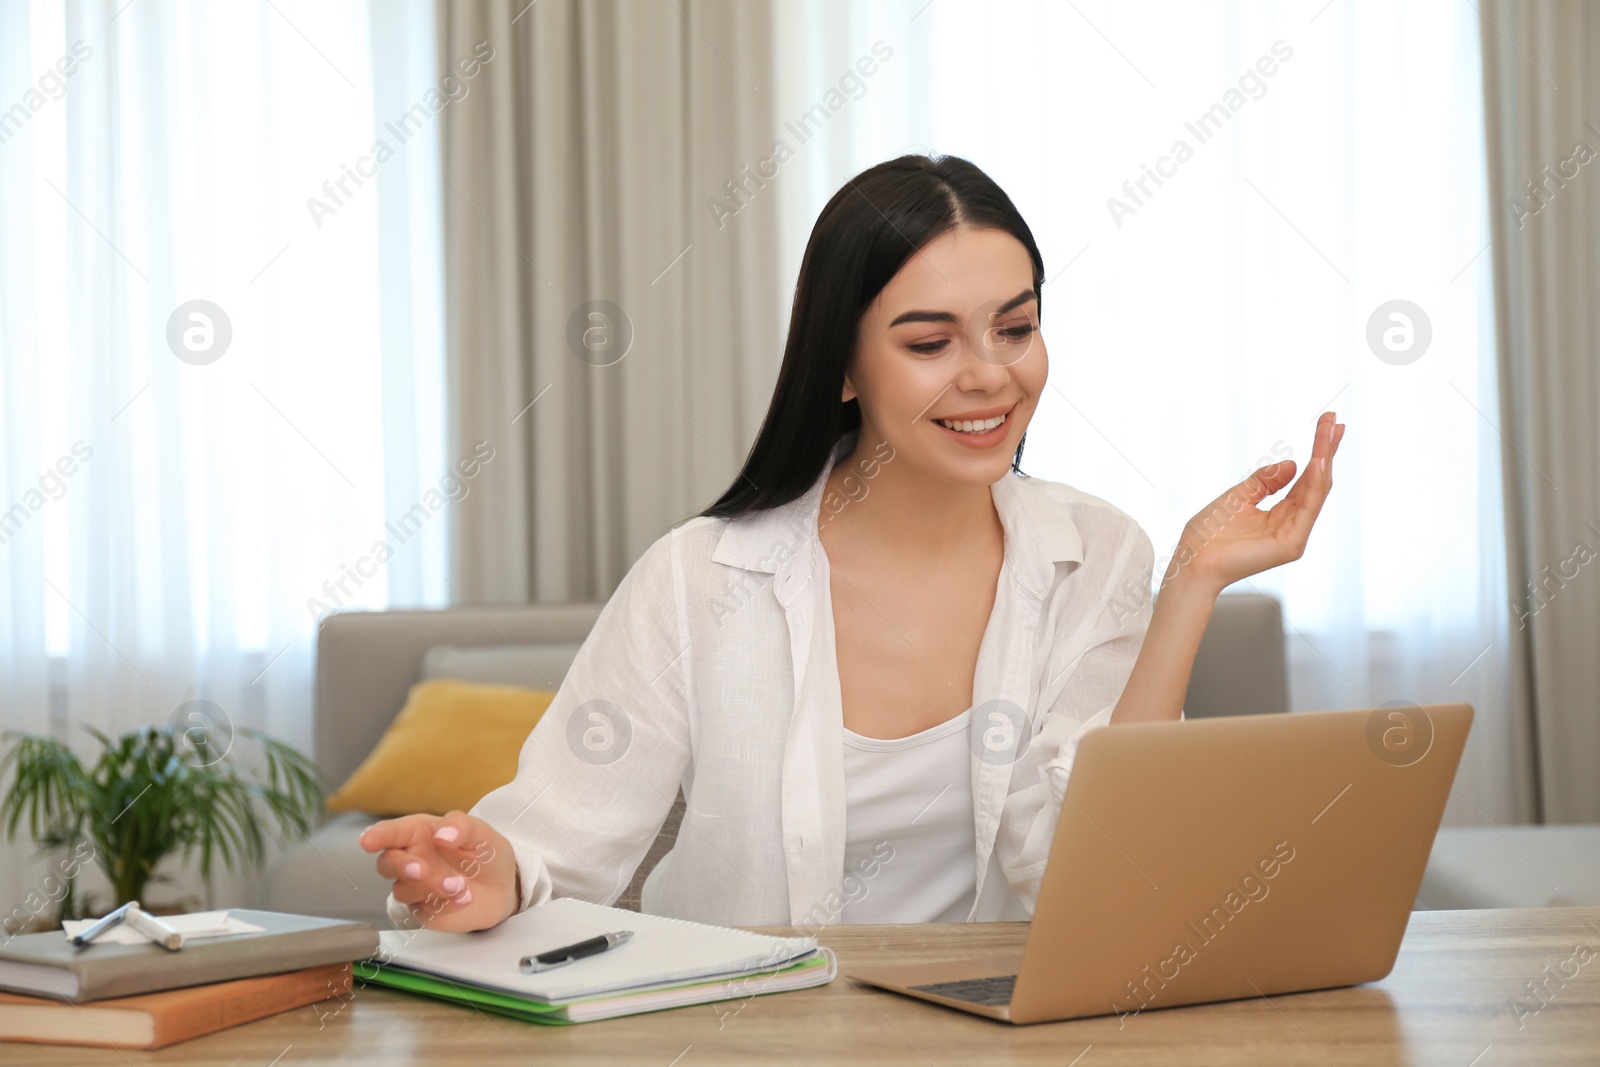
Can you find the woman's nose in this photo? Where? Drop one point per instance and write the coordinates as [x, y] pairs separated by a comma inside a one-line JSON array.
[[988, 358]]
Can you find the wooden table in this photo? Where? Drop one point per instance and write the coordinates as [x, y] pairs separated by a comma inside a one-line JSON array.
[[1449, 1002]]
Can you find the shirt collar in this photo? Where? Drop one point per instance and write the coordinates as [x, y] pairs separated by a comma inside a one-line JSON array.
[[1038, 536], [783, 540]]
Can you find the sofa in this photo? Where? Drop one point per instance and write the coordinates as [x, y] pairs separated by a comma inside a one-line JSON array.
[[367, 661]]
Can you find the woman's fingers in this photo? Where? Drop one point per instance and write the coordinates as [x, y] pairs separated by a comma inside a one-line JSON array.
[[420, 877], [466, 841], [1231, 538], [1266, 481], [414, 893], [408, 831], [422, 855], [405, 850], [1306, 498], [1315, 468], [1312, 489], [400, 865], [455, 832]]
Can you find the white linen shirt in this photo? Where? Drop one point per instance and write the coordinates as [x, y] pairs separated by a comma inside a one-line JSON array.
[[713, 667]]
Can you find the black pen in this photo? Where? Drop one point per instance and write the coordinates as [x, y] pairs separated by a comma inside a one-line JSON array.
[[558, 956]]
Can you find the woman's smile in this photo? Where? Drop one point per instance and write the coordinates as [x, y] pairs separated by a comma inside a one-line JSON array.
[[987, 428]]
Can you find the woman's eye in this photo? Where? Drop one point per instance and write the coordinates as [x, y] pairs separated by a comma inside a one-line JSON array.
[[1006, 334]]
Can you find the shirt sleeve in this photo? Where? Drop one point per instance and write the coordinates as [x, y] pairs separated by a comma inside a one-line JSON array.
[[598, 774], [1080, 694]]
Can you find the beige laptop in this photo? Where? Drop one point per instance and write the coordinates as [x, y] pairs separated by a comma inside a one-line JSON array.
[[1214, 859]]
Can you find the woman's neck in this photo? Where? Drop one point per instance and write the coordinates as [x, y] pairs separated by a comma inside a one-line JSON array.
[[892, 503]]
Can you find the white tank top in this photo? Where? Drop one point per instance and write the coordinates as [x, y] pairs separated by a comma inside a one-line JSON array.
[[909, 836]]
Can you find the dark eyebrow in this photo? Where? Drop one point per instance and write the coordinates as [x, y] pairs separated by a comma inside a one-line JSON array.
[[945, 316]]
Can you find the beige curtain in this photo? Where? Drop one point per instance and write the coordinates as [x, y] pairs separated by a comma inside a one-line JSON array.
[[1542, 96], [586, 199]]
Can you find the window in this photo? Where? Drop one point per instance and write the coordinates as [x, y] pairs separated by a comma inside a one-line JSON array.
[[1231, 200]]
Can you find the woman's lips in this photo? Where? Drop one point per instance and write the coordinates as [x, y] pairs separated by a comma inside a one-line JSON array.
[[987, 439]]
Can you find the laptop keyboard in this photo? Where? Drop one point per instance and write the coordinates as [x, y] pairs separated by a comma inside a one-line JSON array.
[[987, 991]]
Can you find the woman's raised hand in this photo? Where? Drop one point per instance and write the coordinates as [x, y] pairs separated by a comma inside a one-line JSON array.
[[455, 871], [1230, 538]]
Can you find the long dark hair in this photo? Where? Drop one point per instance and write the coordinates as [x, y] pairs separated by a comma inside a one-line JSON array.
[[865, 234]]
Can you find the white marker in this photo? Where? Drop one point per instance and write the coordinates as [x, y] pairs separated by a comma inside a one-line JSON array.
[[153, 928]]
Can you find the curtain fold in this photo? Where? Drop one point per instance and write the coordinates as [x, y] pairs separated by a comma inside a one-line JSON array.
[[1229, 205], [1542, 116], [613, 334], [218, 382]]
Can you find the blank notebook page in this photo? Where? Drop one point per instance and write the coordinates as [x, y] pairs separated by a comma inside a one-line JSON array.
[[661, 952]]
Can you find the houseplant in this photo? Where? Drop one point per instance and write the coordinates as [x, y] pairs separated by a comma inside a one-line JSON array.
[[154, 792]]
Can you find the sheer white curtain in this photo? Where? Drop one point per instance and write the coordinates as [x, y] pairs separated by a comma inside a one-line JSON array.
[[1206, 301], [185, 486]]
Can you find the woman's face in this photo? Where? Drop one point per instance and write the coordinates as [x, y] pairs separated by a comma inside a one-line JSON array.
[[949, 362]]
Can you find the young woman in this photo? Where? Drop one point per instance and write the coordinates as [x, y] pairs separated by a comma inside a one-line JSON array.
[[869, 664]]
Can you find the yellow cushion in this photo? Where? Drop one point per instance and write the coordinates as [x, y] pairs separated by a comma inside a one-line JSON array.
[[451, 743]]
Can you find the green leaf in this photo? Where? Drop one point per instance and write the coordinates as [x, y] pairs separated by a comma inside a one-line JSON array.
[[142, 801]]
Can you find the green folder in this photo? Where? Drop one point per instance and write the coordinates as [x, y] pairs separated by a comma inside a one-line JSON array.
[[813, 970]]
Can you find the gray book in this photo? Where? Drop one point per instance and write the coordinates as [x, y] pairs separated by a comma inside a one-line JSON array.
[[48, 965]]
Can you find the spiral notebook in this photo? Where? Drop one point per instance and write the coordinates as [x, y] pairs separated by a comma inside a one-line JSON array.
[[667, 963]]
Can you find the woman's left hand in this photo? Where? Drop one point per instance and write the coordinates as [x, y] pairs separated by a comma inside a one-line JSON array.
[[1230, 538]]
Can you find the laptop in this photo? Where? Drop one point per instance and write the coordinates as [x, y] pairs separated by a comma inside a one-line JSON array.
[[1215, 859]]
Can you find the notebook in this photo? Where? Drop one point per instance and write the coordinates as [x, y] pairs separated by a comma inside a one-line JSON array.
[[48, 965], [667, 963], [194, 926], [156, 1020]]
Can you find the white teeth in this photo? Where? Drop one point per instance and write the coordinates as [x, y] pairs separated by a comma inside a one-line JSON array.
[[971, 426]]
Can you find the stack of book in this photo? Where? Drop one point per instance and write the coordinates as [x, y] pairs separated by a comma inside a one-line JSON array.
[[142, 996]]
